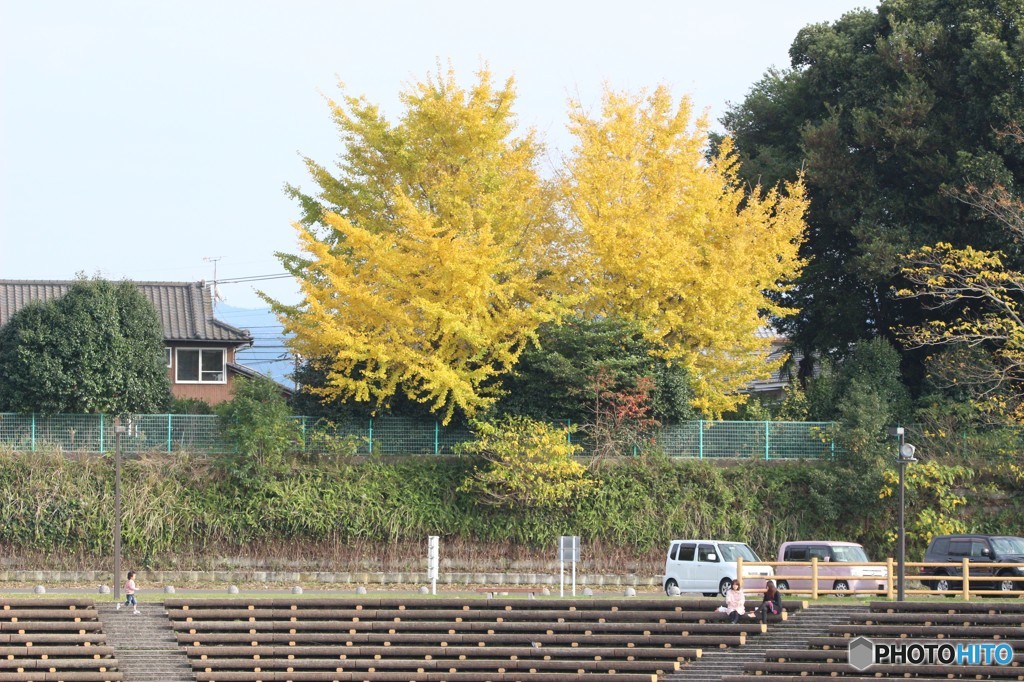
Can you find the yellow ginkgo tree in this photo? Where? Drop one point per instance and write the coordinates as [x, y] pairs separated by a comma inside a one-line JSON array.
[[424, 254], [668, 239]]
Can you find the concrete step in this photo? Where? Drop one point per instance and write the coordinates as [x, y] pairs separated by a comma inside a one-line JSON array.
[[789, 634], [144, 643]]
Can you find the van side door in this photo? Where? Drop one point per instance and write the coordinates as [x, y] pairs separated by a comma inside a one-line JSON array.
[[708, 570], [680, 565], [797, 553]]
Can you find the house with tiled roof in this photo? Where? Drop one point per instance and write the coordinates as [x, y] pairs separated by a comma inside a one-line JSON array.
[[773, 388], [200, 349]]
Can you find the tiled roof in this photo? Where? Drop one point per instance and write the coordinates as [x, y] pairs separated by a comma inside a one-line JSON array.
[[185, 309]]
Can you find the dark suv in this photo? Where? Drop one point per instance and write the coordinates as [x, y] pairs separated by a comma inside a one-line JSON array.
[[983, 549]]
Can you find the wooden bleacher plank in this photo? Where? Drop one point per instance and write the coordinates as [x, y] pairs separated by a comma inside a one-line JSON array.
[[930, 631], [474, 639], [843, 642], [981, 606], [442, 652], [886, 670], [312, 676], [921, 618]]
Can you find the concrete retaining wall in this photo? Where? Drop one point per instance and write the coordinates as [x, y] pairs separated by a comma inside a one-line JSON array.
[[183, 578]]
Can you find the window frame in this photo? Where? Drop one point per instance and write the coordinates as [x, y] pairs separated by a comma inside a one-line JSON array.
[[200, 350]]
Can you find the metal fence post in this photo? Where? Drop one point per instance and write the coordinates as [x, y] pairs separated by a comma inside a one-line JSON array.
[[170, 424], [700, 439], [371, 435], [101, 433], [437, 428], [33, 432], [767, 443]]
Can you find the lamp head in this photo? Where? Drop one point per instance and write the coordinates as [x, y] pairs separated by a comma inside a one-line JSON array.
[[907, 453]]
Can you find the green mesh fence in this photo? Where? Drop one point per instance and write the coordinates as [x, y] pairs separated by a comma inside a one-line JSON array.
[[392, 436]]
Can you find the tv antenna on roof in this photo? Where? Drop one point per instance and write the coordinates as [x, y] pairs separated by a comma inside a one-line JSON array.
[[214, 259]]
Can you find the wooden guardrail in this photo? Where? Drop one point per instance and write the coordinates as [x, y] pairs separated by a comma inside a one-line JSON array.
[[965, 579]]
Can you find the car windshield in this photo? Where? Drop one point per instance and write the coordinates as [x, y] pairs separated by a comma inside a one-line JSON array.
[[732, 550], [1008, 545], [849, 554]]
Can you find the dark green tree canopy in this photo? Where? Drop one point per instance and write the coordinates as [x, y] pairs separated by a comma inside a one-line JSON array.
[[99, 348], [554, 380], [885, 111]]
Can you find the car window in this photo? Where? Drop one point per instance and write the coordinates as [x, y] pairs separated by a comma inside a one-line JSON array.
[[959, 548], [820, 553], [733, 550], [795, 554], [849, 554], [673, 553], [1008, 545], [978, 548], [941, 546], [686, 552], [707, 553]]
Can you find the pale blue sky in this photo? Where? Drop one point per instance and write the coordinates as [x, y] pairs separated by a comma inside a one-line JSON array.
[[140, 137]]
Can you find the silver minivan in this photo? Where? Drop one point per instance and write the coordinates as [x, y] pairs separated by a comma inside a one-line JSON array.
[[709, 567]]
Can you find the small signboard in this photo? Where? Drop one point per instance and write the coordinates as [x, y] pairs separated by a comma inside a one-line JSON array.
[[569, 548]]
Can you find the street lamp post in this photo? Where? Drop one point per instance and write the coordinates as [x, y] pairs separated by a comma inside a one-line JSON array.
[[118, 430], [904, 457]]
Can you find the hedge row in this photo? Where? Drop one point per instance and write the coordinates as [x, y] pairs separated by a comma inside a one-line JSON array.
[[187, 504]]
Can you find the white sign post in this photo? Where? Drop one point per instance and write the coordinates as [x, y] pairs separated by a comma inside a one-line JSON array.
[[433, 560], [568, 550]]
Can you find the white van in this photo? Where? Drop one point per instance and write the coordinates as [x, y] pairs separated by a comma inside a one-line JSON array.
[[709, 566], [838, 567]]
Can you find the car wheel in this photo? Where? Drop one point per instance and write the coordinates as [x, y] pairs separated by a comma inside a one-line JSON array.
[[843, 587], [1005, 585], [782, 585], [723, 587], [671, 585], [943, 584]]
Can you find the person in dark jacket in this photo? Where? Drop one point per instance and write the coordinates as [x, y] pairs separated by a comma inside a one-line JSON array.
[[771, 602]]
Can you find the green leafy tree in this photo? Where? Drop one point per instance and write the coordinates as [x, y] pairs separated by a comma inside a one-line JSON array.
[[882, 110], [257, 418], [527, 464], [553, 378], [97, 349]]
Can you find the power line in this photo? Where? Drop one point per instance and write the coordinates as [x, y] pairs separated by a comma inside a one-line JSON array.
[[252, 278]]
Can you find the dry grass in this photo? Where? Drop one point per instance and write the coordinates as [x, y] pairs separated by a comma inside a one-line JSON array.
[[457, 555]]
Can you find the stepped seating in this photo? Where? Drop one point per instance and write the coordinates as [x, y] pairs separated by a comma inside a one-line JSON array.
[[447, 639], [901, 623], [54, 639]]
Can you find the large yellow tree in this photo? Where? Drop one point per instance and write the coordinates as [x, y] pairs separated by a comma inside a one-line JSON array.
[[423, 255], [671, 240]]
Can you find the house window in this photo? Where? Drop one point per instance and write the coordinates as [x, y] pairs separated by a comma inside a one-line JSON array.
[[168, 349], [200, 365]]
